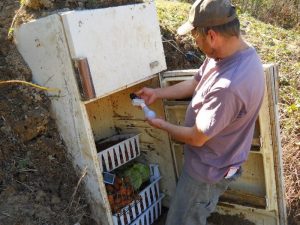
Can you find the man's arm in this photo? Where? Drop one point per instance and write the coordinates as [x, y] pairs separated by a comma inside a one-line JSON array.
[[188, 135], [181, 90]]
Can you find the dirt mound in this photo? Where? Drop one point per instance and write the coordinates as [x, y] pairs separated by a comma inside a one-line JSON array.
[[37, 181], [179, 52]]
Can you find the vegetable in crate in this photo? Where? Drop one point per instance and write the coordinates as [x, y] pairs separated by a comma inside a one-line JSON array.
[[120, 194], [137, 174]]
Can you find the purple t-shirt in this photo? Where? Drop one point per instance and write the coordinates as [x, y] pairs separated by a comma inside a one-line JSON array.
[[225, 106]]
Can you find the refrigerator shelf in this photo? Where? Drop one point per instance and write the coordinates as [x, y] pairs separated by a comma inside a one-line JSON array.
[[125, 148]]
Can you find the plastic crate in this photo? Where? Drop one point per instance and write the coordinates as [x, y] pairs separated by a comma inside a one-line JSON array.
[[149, 196], [115, 156], [151, 214]]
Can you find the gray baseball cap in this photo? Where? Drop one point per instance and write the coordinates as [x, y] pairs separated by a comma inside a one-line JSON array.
[[207, 13]]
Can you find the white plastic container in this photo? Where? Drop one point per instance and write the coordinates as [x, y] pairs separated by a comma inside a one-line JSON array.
[[151, 214], [150, 202], [117, 155]]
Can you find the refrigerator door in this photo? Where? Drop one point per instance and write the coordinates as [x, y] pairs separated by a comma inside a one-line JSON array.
[[122, 44]]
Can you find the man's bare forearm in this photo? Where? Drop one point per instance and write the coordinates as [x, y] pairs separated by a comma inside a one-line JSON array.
[[187, 135]]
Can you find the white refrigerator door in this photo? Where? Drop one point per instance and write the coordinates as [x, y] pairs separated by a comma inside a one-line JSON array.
[[122, 44]]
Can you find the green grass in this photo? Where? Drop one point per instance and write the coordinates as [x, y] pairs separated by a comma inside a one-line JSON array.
[[280, 46], [171, 14]]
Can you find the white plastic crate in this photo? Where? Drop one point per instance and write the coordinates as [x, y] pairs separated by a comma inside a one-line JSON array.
[[118, 154], [151, 214], [149, 196]]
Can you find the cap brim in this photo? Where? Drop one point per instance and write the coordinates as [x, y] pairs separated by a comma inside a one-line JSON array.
[[185, 28]]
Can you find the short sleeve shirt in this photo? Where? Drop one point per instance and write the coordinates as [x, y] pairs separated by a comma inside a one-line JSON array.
[[224, 107]]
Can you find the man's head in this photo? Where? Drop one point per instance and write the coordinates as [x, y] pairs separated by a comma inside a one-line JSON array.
[[208, 13], [212, 23]]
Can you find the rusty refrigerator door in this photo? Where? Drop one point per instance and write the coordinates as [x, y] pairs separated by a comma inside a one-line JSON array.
[[258, 196]]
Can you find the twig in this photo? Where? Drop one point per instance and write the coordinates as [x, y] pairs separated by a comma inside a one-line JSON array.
[[27, 170], [169, 41], [10, 34], [25, 185], [174, 45], [6, 214], [77, 186], [80, 208]]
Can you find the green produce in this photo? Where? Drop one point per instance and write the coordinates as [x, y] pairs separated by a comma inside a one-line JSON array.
[[137, 174]]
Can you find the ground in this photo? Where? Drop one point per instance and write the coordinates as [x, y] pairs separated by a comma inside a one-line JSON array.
[[38, 184]]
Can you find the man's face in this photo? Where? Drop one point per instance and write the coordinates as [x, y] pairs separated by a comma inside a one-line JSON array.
[[204, 43]]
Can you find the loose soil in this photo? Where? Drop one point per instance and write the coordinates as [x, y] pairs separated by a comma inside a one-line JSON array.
[[37, 181], [219, 219]]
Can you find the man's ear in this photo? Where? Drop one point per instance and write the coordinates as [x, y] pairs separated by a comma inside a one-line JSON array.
[[212, 36]]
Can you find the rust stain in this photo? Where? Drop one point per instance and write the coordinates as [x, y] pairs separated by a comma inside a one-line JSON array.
[[150, 134]]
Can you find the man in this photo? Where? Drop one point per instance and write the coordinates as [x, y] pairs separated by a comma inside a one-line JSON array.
[[227, 93]]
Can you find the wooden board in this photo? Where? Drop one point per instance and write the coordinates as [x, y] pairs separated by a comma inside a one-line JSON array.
[[272, 83]]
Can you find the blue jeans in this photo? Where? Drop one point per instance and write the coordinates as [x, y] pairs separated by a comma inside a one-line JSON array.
[[194, 201]]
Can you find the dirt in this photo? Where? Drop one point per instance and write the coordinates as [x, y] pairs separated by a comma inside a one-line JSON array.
[[180, 52], [37, 181], [214, 219], [219, 219]]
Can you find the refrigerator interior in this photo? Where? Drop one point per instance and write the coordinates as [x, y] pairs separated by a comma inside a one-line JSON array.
[[250, 189], [115, 115]]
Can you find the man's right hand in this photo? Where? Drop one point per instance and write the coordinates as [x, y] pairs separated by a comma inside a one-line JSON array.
[[181, 90], [149, 95]]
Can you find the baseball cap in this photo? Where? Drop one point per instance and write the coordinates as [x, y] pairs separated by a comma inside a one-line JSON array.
[[207, 13]]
